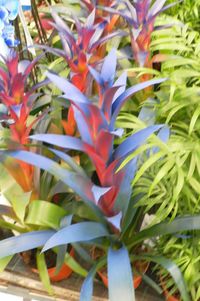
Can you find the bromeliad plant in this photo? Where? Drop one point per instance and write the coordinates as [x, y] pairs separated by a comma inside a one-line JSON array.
[[109, 220], [80, 51], [17, 100], [141, 16], [101, 15]]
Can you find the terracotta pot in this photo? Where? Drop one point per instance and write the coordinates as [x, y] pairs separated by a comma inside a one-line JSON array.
[[137, 279], [64, 272]]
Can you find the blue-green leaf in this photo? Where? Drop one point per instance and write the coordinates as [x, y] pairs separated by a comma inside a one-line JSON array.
[[24, 242], [81, 232], [120, 279]]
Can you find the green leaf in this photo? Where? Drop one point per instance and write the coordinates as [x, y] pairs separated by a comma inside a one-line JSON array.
[[161, 174], [195, 184], [194, 118], [10, 226], [148, 163], [173, 270], [46, 214], [4, 262], [75, 266], [43, 272], [152, 283], [179, 224], [180, 183], [19, 203]]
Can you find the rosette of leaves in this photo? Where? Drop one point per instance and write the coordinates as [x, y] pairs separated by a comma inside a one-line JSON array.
[[113, 224]]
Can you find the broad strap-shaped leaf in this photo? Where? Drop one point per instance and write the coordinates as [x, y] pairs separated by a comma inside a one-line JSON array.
[[20, 203], [63, 28], [109, 67], [87, 286], [66, 221], [134, 141], [179, 224], [123, 14], [82, 125], [70, 161], [84, 254], [120, 278], [156, 7], [120, 82], [108, 98], [104, 39], [24, 242], [63, 141], [78, 183], [71, 92], [173, 270], [123, 198], [81, 232], [43, 213], [108, 70], [147, 113], [119, 102]]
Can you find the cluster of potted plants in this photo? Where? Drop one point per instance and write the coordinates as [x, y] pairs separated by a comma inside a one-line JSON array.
[[86, 152]]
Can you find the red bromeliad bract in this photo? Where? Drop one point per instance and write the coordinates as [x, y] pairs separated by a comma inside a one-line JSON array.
[[80, 51], [141, 16], [18, 99], [96, 125]]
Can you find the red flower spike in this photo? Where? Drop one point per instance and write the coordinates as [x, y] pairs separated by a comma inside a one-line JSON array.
[[96, 123], [18, 99], [81, 51]]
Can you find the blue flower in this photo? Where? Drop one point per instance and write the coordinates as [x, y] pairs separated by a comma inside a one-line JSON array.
[[8, 12], [12, 7]]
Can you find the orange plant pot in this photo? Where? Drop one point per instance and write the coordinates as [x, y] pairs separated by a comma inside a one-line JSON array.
[[64, 273], [136, 279]]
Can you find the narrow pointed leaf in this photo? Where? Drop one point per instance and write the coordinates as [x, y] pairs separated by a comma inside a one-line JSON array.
[[63, 141], [24, 242], [173, 270], [119, 102], [43, 272], [78, 183], [69, 89], [156, 7], [134, 141], [109, 67], [87, 287], [179, 224]]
